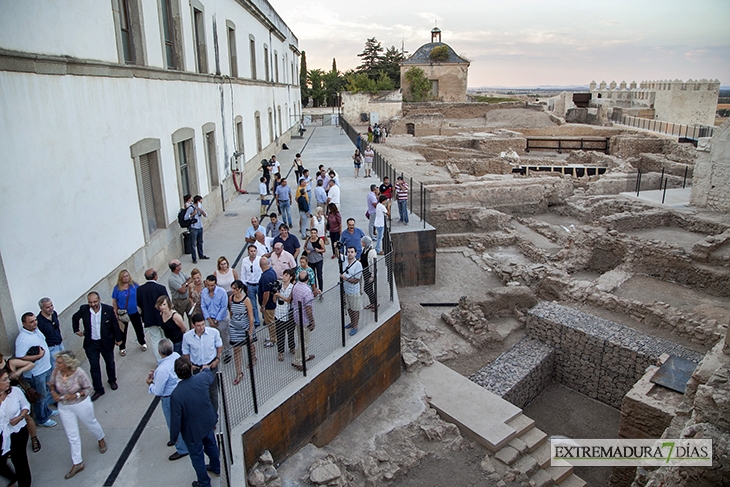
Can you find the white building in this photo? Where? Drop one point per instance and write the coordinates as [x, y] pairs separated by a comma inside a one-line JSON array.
[[110, 111]]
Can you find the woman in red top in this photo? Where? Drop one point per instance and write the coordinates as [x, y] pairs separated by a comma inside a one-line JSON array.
[[334, 225]]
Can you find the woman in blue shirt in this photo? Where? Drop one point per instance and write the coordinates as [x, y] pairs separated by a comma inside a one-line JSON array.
[[124, 301]]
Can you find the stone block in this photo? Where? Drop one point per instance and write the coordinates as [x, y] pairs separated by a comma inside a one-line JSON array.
[[534, 438], [542, 479], [542, 455], [507, 455], [527, 465], [518, 445], [573, 481], [559, 474], [521, 424]]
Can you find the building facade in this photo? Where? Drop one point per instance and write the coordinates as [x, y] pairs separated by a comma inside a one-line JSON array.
[[110, 112]]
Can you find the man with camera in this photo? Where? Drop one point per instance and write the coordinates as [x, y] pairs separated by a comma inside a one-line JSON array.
[[267, 289], [351, 275]]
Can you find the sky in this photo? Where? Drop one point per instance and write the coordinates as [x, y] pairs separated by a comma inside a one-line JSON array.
[[528, 42]]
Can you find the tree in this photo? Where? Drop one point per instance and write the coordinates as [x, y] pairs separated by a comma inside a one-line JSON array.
[[384, 83], [334, 82], [304, 91], [316, 86], [360, 83], [334, 65], [390, 65], [419, 84], [370, 58]]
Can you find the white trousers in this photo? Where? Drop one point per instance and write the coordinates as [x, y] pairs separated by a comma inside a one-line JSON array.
[[70, 415], [155, 334]]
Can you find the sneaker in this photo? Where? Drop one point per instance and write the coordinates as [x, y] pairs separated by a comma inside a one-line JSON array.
[[144, 347], [48, 424], [204, 257], [353, 331], [268, 344], [123, 352], [349, 325], [54, 412]]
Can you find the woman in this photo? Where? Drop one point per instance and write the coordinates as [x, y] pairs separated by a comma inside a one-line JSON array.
[[124, 301], [304, 266], [298, 166], [195, 289], [319, 221], [14, 408], [241, 329], [284, 319], [15, 368], [357, 160], [315, 248], [71, 388], [368, 156], [334, 225], [381, 211], [172, 323], [225, 274]]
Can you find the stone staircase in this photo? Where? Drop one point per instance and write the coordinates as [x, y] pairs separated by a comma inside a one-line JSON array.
[[515, 445]]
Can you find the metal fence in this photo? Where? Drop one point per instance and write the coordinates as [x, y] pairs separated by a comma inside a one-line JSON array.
[[666, 181], [669, 128], [418, 196]]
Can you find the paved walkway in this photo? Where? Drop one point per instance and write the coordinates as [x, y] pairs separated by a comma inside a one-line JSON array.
[[144, 462]]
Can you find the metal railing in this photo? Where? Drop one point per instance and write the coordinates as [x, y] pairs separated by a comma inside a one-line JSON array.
[[257, 370], [669, 128], [665, 182], [419, 200]]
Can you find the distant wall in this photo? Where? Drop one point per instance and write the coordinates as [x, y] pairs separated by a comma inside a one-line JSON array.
[[386, 104], [451, 80], [711, 178]]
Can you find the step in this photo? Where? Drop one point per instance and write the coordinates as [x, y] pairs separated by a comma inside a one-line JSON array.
[[541, 479], [521, 424], [534, 439], [559, 473], [573, 481], [542, 455]]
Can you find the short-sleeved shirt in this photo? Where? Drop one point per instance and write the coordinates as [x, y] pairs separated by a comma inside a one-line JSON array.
[[301, 294], [352, 240], [380, 212], [310, 274], [27, 339], [387, 190], [282, 262], [251, 231], [272, 229], [320, 195], [372, 202], [291, 244], [267, 278], [202, 349], [351, 271], [334, 195], [51, 329], [174, 282], [165, 379], [251, 271], [283, 193], [401, 191]]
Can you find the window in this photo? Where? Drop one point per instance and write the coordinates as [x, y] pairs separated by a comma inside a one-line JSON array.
[[232, 58], [239, 134], [201, 54], [271, 126], [211, 155], [252, 48], [171, 37], [266, 63], [187, 175], [278, 116], [434, 88], [145, 155], [257, 118], [276, 66], [129, 32]]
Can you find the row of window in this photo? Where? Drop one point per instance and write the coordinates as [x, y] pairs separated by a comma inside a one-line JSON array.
[[131, 44]]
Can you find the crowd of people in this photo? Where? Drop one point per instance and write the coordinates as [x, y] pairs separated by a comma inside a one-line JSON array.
[[201, 320]]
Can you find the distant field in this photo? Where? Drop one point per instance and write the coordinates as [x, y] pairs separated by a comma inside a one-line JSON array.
[[492, 99]]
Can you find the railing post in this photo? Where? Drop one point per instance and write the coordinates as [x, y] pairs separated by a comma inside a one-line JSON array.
[[375, 283], [254, 397], [342, 298], [664, 194], [684, 182], [301, 340], [226, 416]]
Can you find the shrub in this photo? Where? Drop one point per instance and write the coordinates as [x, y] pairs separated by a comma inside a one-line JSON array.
[[439, 53]]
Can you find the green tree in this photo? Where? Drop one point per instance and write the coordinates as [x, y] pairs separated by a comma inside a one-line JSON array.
[[420, 86], [316, 86], [303, 89], [384, 83], [370, 58], [334, 65], [360, 83], [390, 65], [334, 82]]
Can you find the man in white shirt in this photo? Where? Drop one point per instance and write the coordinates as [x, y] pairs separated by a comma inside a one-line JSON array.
[[203, 346], [351, 275], [251, 274], [263, 196], [251, 231], [28, 339], [333, 195], [264, 245], [281, 260]]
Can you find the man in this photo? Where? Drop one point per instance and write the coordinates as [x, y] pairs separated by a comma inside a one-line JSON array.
[[30, 345], [350, 276], [401, 192], [308, 179], [333, 194], [178, 283], [214, 305], [251, 275], [301, 305], [147, 295], [372, 202], [368, 260], [387, 189], [251, 231], [281, 260], [302, 198], [263, 196], [101, 332], [267, 301], [368, 156], [289, 241], [358, 141], [195, 210], [49, 325], [272, 229], [162, 381], [320, 195], [193, 416], [275, 166], [264, 245], [283, 200], [203, 347], [351, 237]]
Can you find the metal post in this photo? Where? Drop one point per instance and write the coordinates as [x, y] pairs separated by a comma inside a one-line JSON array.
[[226, 417], [254, 398], [638, 183], [661, 179], [342, 299], [684, 182], [375, 286], [301, 340], [664, 194]]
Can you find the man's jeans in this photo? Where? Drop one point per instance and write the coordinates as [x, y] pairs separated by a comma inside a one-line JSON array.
[[40, 384], [253, 296], [403, 210], [379, 241], [198, 450], [196, 235], [180, 445], [285, 207], [53, 351]]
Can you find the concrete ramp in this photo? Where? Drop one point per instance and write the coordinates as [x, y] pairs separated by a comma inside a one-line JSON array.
[[476, 411]]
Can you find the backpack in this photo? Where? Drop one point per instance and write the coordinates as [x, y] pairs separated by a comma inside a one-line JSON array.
[[184, 222]]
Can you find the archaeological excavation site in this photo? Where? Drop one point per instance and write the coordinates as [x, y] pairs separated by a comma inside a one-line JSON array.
[[581, 290]]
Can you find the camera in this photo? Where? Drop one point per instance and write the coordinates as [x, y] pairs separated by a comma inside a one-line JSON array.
[[266, 163], [338, 245], [275, 287]]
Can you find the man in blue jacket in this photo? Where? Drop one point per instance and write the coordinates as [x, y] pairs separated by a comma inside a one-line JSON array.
[[193, 416]]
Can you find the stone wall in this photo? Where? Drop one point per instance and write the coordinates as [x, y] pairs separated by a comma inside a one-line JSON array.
[[386, 104], [597, 357], [451, 80], [460, 110], [521, 373], [711, 178]]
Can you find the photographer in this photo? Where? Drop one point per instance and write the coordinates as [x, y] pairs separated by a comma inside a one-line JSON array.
[[284, 320], [302, 297], [265, 167]]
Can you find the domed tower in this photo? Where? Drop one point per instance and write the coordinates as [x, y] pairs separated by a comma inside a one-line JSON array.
[[446, 71]]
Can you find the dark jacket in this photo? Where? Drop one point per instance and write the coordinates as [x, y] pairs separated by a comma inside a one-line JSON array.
[[191, 412], [147, 295], [109, 332]]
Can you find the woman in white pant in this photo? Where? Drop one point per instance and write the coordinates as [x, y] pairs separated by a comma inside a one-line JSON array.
[[71, 388]]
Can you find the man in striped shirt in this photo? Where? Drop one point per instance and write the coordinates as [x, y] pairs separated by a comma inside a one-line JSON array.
[[401, 191]]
